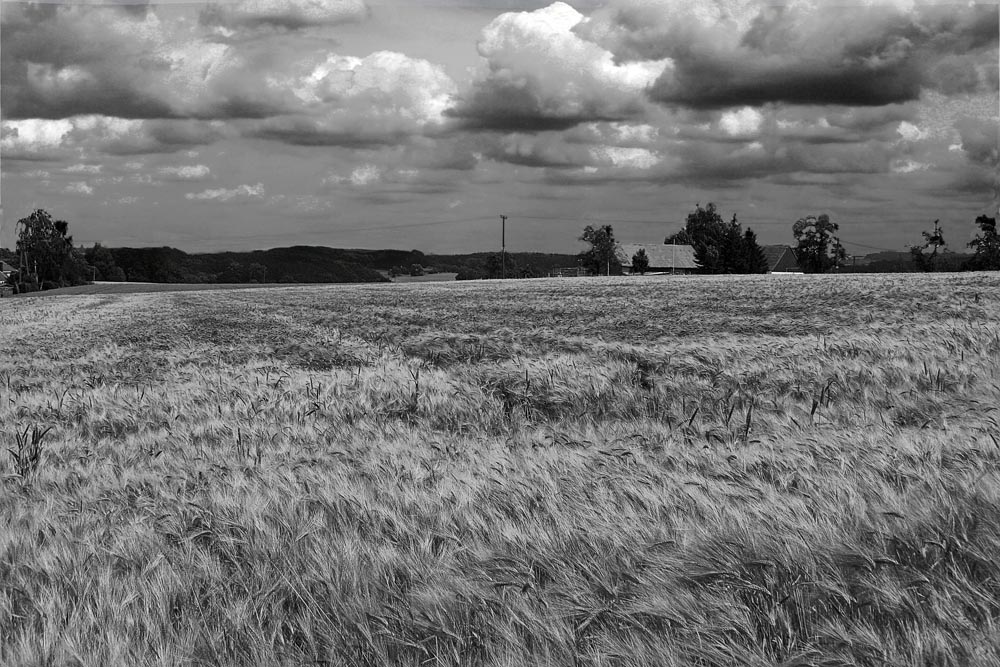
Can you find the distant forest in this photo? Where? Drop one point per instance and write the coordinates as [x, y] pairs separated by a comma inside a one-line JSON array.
[[307, 264]]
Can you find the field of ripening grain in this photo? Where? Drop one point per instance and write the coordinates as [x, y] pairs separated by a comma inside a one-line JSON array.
[[688, 471]]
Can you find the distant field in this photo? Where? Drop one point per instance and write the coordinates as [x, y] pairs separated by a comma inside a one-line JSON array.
[[426, 278], [712, 471], [142, 288]]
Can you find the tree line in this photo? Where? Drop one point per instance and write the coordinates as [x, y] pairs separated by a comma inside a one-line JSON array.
[[725, 247], [931, 255], [46, 258]]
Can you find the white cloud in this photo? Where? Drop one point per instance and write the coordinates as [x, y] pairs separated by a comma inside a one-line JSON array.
[[366, 175], [83, 136], [80, 188], [386, 81], [543, 43], [743, 122], [906, 166], [33, 136], [224, 195], [642, 133], [83, 169], [910, 132], [197, 172], [540, 70], [618, 156], [382, 98]]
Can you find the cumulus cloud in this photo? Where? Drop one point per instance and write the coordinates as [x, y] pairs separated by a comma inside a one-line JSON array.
[[745, 122], [79, 188], [74, 60], [980, 139], [64, 138], [61, 60], [240, 192], [907, 166], [617, 156], [83, 169], [543, 76], [283, 14], [727, 54], [197, 172], [540, 149], [381, 98], [365, 175], [33, 139]]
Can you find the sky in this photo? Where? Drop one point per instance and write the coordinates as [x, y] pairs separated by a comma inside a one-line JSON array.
[[415, 124]]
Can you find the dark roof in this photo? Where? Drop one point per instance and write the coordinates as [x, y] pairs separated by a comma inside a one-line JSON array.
[[660, 256], [5, 267], [780, 258]]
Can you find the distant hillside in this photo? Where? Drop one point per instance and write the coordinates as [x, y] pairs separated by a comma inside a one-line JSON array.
[[891, 261], [298, 264], [315, 264]]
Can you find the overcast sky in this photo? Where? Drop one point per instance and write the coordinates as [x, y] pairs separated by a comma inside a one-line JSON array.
[[415, 124]]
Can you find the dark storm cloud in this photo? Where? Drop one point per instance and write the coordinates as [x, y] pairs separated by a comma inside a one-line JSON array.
[[866, 119], [550, 151], [449, 153], [954, 75], [864, 56], [980, 140], [519, 107], [306, 133], [714, 84], [145, 137], [82, 91], [291, 15], [54, 65], [725, 164], [99, 60], [977, 181]]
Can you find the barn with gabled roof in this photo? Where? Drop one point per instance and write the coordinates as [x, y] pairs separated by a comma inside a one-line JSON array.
[[781, 259], [663, 259]]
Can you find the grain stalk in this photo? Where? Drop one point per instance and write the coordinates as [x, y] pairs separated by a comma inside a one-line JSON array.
[[28, 454]]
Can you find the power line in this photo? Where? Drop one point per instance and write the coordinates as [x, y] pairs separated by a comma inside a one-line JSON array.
[[869, 247]]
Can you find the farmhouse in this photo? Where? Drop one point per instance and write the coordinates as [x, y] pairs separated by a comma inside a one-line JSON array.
[[5, 272], [662, 258], [781, 259]]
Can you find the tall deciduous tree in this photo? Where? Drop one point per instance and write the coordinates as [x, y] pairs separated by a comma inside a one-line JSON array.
[[600, 258], [720, 247], [819, 248], [45, 251], [987, 246], [928, 261], [703, 230]]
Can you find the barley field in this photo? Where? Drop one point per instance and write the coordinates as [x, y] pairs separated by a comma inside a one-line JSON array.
[[682, 471]]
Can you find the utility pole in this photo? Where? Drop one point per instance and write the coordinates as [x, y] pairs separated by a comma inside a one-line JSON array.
[[503, 246]]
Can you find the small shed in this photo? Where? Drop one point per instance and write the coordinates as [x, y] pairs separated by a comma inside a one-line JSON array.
[[781, 259], [663, 259]]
